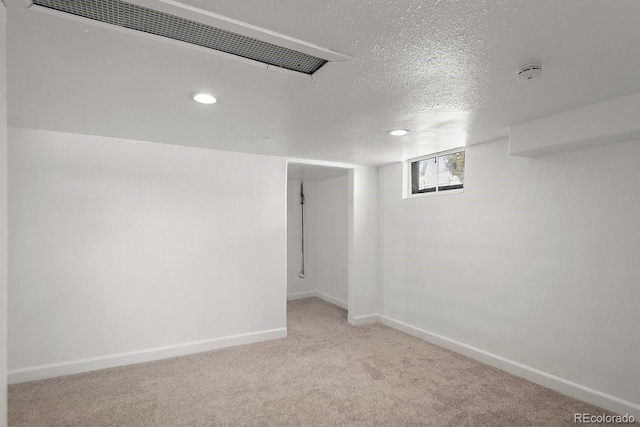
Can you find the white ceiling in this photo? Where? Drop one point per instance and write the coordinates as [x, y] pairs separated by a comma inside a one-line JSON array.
[[306, 172], [445, 69]]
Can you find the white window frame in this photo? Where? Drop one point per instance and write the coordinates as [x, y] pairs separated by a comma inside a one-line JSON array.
[[406, 176]]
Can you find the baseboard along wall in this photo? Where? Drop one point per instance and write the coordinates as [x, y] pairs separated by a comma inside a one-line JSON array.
[[545, 379], [33, 373], [569, 388], [53, 370], [301, 295], [362, 320], [309, 294]]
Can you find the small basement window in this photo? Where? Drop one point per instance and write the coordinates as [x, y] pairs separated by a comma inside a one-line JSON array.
[[436, 173]]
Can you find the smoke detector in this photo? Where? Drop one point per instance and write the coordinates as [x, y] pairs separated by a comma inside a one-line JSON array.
[[530, 71]]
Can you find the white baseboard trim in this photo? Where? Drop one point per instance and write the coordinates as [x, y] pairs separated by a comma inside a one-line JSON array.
[[317, 294], [553, 382], [300, 295], [85, 365], [332, 300], [362, 320]]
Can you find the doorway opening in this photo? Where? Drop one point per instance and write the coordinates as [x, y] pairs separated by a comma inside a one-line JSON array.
[[317, 233]]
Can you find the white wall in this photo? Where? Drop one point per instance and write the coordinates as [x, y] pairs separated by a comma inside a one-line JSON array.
[[332, 212], [3, 215], [363, 244], [536, 262], [297, 287], [120, 247]]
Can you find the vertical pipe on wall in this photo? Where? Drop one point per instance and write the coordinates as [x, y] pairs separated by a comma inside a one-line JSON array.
[[301, 275]]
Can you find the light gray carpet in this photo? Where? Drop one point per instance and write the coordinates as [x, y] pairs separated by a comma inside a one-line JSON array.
[[325, 373]]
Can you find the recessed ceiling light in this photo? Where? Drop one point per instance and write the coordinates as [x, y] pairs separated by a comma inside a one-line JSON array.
[[203, 98], [399, 132]]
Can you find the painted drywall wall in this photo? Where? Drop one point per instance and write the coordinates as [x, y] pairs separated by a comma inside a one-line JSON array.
[[3, 215], [297, 287], [332, 211], [536, 262], [363, 244], [123, 248]]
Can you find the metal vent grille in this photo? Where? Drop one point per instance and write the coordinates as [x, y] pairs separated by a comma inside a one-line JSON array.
[[150, 21]]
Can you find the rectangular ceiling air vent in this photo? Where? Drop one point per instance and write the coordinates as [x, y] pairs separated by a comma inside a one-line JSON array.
[[134, 17]]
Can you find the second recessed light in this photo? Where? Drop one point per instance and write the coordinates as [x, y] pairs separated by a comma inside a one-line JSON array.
[[399, 132], [203, 98]]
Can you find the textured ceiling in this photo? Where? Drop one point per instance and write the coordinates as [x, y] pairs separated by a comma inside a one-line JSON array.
[[445, 69]]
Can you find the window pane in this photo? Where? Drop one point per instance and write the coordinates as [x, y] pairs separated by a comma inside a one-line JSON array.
[[451, 171], [424, 175]]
